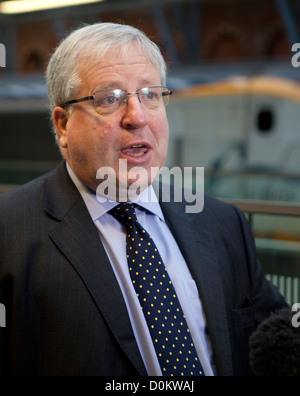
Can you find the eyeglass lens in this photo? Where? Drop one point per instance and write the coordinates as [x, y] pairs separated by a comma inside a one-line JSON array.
[[108, 101]]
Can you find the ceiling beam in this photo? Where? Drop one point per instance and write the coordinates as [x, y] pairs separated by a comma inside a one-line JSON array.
[[89, 9]]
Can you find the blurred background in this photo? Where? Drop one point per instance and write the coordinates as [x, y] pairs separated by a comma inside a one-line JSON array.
[[235, 72]]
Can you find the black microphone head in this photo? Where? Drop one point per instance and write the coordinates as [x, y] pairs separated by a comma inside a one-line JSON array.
[[275, 346]]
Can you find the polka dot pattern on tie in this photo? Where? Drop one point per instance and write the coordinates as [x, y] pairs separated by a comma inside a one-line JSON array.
[[167, 324]]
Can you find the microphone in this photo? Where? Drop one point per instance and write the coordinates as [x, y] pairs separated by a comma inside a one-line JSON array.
[[275, 346]]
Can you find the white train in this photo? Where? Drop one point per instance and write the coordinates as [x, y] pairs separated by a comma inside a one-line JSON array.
[[245, 132]]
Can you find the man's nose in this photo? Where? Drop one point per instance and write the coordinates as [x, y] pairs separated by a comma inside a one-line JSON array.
[[135, 116]]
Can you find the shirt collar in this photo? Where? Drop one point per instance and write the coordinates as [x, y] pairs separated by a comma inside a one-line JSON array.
[[147, 200]]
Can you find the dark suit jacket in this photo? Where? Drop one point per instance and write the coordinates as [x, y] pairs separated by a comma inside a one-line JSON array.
[[65, 311]]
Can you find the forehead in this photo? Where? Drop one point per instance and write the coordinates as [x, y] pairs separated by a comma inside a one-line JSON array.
[[119, 64], [130, 54]]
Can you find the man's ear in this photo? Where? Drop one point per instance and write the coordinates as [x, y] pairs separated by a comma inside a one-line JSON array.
[[60, 119]]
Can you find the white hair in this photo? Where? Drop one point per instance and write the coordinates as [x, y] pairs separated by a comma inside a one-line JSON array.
[[92, 42]]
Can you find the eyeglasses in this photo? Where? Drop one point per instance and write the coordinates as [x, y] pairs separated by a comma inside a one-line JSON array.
[[108, 101]]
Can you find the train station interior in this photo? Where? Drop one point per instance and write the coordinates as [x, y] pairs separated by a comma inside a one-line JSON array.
[[234, 68]]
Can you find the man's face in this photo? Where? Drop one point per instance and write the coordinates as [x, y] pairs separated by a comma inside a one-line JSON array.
[[90, 141]]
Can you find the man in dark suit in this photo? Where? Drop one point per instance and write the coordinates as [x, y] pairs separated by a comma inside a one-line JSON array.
[[71, 306]]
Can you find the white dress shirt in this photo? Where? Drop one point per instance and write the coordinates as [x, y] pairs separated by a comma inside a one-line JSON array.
[[113, 237]]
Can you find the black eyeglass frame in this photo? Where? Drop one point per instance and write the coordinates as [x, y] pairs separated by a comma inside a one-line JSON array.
[[92, 97]]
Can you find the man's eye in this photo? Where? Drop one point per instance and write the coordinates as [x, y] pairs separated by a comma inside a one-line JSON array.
[[110, 100], [151, 95]]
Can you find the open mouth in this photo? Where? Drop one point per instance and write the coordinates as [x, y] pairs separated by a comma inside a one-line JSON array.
[[136, 150]]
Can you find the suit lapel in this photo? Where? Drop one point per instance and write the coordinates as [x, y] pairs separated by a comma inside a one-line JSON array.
[[199, 251], [75, 228]]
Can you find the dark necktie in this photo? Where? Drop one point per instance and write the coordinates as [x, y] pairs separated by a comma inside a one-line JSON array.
[[166, 321]]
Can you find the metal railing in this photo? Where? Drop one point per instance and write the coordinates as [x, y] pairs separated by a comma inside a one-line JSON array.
[[280, 259], [265, 207]]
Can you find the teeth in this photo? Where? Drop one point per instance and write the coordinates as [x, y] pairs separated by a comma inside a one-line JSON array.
[[136, 150], [137, 155]]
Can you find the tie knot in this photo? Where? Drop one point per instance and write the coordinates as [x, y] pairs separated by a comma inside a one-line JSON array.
[[124, 213]]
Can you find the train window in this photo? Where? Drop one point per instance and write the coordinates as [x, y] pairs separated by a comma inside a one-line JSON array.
[[266, 120]]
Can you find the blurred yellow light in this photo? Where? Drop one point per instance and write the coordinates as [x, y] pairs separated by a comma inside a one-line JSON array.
[[23, 6]]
